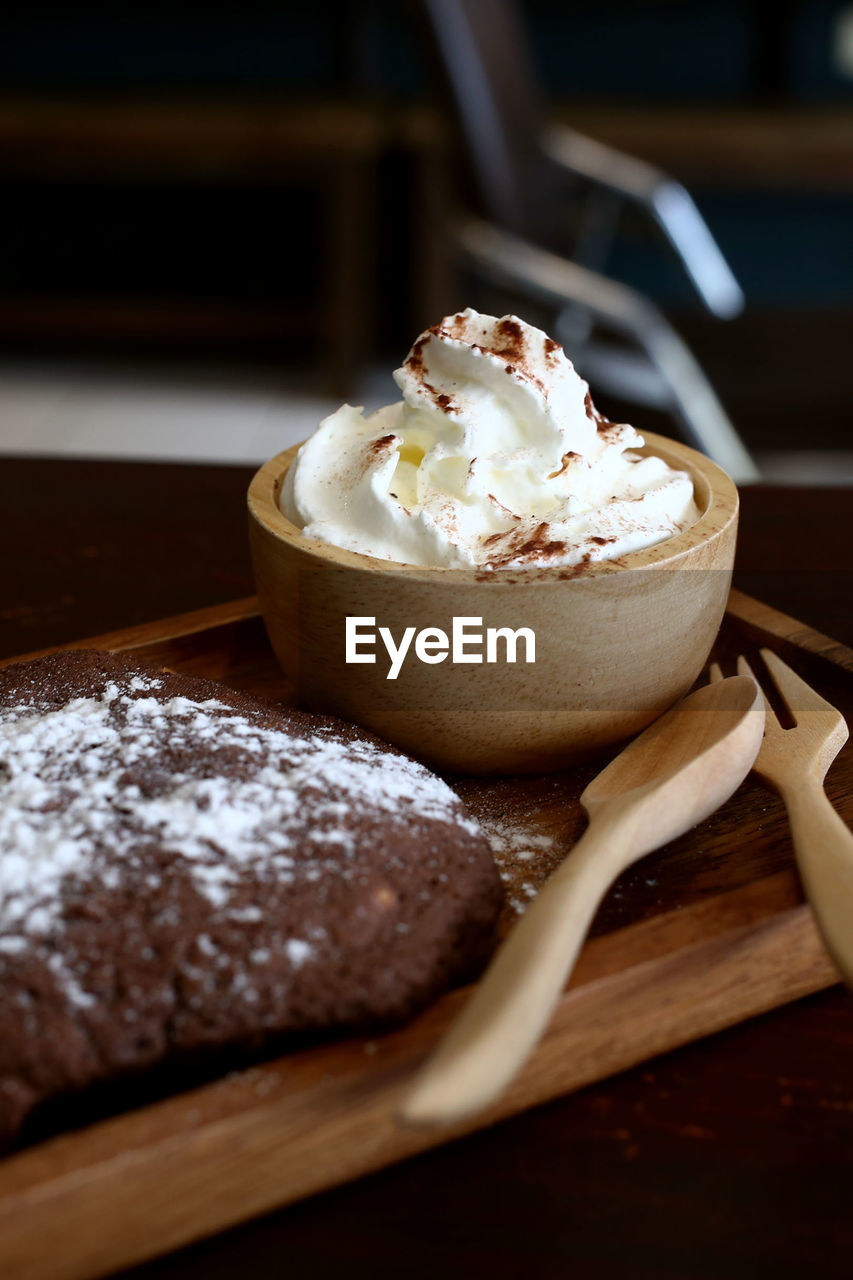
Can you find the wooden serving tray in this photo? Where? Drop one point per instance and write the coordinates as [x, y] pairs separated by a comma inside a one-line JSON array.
[[709, 931]]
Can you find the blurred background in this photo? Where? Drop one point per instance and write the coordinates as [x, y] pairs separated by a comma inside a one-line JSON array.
[[221, 220]]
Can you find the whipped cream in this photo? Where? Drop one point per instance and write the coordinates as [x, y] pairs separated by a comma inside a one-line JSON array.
[[495, 457]]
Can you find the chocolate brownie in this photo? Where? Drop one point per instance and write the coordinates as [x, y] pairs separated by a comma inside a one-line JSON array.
[[183, 868]]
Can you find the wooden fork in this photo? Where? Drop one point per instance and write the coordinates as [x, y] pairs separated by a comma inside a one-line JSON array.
[[794, 762]]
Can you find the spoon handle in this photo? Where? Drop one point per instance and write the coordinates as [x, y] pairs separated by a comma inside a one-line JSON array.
[[512, 1003]]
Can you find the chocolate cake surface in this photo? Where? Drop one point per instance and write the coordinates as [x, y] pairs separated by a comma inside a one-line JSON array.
[[183, 868]]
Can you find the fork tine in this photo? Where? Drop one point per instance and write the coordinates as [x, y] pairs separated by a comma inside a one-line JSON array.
[[771, 720], [796, 694], [715, 672]]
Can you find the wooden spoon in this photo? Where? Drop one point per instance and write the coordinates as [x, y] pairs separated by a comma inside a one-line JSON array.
[[673, 775]]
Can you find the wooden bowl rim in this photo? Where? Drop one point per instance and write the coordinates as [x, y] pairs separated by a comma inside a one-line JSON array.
[[720, 508]]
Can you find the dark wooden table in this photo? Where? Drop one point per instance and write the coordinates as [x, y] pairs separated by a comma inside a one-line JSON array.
[[733, 1157]]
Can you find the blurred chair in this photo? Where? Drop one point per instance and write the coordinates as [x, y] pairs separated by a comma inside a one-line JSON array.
[[543, 206]]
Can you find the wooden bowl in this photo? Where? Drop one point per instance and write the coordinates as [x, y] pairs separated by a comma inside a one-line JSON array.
[[615, 643]]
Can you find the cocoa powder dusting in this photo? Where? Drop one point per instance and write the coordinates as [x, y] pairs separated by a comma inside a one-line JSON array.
[[509, 344], [575, 570], [513, 334], [417, 366], [415, 358], [567, 458], [602, 424], [517, 547], [505, 510]]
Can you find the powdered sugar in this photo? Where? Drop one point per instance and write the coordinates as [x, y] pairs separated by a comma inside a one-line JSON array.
[[513, 845], [88, 788], [298, 951]]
